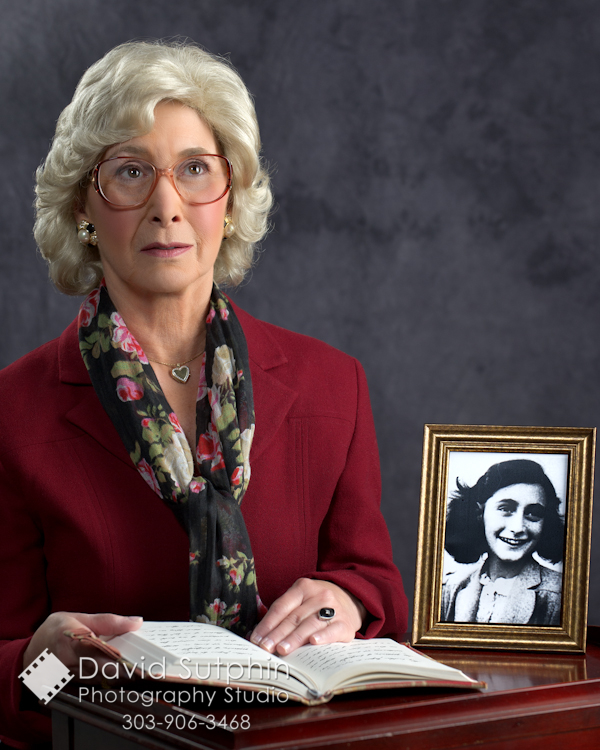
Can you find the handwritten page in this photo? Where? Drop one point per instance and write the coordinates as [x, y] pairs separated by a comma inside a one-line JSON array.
[[359, 656], [225, 658], [198, 641]]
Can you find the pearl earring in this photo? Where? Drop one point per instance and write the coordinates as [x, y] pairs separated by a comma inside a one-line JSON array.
[[229, 227], [87, 233]]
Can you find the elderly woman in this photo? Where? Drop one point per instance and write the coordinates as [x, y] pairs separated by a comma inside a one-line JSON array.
[[128, 442], [510, 513]]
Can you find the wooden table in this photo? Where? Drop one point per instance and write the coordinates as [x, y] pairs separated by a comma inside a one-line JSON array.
[[534, 701]]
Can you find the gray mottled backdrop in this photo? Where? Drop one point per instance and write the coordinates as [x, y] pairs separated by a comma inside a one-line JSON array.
[[436, 165]]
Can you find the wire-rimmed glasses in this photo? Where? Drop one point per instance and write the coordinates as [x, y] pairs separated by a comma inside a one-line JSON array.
[[128, 181]]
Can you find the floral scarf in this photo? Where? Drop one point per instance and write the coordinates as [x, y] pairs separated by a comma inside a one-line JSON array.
[[206, 500]]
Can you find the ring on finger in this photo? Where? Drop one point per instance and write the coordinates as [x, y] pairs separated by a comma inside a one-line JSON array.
[[326, 613]]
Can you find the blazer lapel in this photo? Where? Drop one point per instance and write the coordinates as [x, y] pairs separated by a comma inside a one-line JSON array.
[[272, 402], [272, 398], [88, 413]]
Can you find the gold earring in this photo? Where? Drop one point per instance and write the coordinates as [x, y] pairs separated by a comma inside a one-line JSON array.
[[228, 227], [87, 233]]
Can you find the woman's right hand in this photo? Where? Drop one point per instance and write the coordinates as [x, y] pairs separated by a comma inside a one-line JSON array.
[[51, 635]]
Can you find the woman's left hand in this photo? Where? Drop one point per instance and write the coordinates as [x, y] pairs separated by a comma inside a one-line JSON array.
[[293, 619]]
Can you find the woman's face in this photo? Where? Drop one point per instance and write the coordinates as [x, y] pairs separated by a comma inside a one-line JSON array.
[[166, 246], [513, 519]]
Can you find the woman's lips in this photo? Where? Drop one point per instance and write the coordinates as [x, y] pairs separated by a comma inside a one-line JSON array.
[[513, 542], [162, 250]]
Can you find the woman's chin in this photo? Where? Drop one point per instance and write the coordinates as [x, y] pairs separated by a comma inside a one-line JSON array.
[[514, 556], [169, 281]]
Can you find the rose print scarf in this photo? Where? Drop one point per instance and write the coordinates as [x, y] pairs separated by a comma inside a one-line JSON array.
[[206, 500]]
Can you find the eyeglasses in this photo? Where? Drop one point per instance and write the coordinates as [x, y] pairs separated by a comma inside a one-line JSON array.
[[128, 181]]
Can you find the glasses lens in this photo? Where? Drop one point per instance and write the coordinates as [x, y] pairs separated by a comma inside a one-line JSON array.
[[202, 178], [128, 181], [125, 181]]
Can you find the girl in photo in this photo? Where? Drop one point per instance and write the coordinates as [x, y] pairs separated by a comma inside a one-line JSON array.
[[493, 529]]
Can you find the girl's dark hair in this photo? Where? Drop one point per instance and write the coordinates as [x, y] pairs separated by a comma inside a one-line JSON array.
[[465, 536]]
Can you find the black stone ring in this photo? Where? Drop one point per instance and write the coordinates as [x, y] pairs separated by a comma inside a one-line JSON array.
[[326, 613]]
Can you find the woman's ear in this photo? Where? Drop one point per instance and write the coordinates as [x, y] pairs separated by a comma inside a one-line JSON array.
[[79, 213], [86, 233]]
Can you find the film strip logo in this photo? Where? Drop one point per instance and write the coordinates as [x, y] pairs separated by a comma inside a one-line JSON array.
[[46, 676]]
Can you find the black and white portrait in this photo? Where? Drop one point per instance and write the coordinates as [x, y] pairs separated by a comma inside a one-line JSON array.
[[504, 538]]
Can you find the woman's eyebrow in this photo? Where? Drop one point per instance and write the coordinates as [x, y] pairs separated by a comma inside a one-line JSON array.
[[125, 150], [508, 500]]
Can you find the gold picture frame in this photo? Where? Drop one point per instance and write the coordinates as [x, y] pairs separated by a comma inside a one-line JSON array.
[[456, 456]]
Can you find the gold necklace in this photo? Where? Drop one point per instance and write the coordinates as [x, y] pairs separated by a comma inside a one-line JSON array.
[[179, 370]]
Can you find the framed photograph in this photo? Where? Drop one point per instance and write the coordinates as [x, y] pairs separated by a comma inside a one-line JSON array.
[[504, 538]]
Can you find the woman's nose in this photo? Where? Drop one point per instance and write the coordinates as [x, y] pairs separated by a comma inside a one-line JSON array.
[[165, 203], [515, 524]]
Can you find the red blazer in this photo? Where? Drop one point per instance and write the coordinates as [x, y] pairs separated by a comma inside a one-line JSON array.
[[81, 531]]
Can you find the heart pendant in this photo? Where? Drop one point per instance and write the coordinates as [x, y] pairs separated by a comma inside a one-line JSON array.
[[181, 374]]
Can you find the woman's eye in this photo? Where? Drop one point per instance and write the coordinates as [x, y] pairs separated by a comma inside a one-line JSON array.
[[130, 171], [196, 168], [193, 168], [534, 517]]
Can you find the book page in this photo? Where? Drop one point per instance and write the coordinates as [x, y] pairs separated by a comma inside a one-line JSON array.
[[200, 642], [204, 652], [333, 663]]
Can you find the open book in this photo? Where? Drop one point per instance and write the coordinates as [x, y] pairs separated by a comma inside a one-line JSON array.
[[189, 652]]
